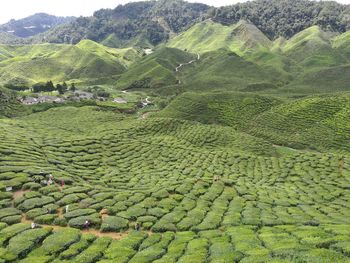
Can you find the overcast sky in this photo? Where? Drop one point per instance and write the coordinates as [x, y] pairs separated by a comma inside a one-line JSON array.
[[21, 8]]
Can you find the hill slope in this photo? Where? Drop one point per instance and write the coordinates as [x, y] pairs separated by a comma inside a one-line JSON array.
[[223, 69], [33, 25], [209, 36], [83, 62], [318, 122], [155, 70]]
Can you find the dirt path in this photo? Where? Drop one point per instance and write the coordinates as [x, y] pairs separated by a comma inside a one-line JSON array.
[[188, 63], [19, 194], [145, 115]]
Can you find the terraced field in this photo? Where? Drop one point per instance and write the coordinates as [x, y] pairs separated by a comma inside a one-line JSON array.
[[194, 192]]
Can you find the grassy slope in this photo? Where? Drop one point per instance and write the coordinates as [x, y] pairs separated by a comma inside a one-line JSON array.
[[223, 69], [300, 63], [9, 105], [318, 122], [242, 38], [159, 67], [208, 36], [84, 61]]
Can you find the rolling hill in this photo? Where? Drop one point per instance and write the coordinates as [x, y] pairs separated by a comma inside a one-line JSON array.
[[316, 122], [155, 70], [86, 61], [33, 25], [207, 36]]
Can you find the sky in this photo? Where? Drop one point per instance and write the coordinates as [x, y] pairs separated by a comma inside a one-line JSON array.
[[22, 8]]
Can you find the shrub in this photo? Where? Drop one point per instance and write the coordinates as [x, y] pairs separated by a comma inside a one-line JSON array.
[[122, 250], [114, 223], [31, 214], [5, 212], [59, 241], [60, 221], [78, 247], [79, 222], [151, 240], [94, 252], [45, 219], [10, 220], [22, 244], [79, 212], [8, 232], [31, 186], [32, 203], [5, 195]]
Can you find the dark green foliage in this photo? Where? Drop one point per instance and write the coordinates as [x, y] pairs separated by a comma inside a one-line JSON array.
[[78, 247], [22, 244], [114, 223], [34, 24], [94, 252], [79, 222], [130, 23], [10, 220], [286, 18], [45, 219], [9, 104]]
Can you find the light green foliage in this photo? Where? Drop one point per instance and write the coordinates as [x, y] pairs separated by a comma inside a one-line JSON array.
[[85, 61], [22, 244]]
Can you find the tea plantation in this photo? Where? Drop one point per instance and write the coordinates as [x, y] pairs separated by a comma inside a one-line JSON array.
[[168, 189]]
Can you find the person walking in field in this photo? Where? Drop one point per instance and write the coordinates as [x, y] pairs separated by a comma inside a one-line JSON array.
[[86, 224], [67, 208]]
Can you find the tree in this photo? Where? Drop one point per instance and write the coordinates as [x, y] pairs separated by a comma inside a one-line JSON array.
[[65, 86], [73, 88], [49, 87]]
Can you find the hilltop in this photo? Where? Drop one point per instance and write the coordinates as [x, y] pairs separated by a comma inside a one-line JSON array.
[[33, 25], [83, 62]]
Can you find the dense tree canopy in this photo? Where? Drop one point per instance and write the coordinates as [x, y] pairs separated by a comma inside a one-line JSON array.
[[153, 22], [285, 17]]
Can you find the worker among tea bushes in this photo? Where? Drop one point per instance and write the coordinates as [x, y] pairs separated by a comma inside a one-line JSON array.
[[86, 224]]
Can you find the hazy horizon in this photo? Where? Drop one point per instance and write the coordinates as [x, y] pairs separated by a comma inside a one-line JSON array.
[[17, 9]]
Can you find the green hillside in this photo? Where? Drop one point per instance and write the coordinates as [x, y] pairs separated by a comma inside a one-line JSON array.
[[312, 49], [79, 63], [209, 36], [196, 191], [342, 43], [155, 70], [317, 122], [183, 134], [9, 105], [225, 108], [242, 38], [223, 69]]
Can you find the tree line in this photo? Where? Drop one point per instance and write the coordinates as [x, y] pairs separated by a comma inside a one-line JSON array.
[[48, 86]]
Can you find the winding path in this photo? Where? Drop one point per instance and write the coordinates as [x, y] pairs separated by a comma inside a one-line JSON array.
[[190, 62]]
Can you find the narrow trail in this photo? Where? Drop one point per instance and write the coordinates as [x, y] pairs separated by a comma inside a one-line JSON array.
[[184, 64], [19, 194], [188, 63]]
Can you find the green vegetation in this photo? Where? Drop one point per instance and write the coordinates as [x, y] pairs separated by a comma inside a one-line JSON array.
[[84, 62], [155, 70], [221, 145], [268, 200]]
